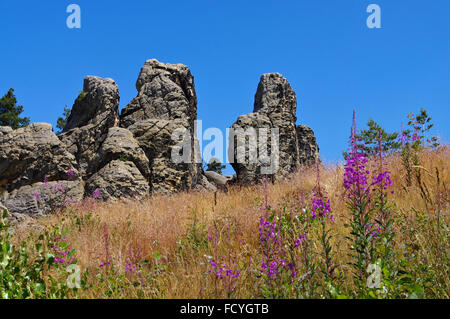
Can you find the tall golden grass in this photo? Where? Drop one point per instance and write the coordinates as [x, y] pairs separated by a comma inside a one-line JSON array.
[[176, 227]]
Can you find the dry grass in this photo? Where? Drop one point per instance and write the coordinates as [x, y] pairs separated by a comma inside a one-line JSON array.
[[176, 226]]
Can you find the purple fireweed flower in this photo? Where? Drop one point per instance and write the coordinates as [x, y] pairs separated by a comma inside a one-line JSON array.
[[70, 174], [320, 207], [267, 231], [96, 194], [374, 229], [61, 257], [300, 239], [130, 268], [356, 174], [37, 196], [383, 180], [222, 271]]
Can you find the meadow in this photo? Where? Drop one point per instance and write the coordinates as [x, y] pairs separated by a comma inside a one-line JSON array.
[[373, 227]]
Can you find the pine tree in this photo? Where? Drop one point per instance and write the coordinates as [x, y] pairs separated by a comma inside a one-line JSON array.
[[371, 137], [10, 111], [215, 165], [422, 123], [62, 121], [368, 140]]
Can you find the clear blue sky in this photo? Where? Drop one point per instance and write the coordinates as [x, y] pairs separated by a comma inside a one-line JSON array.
[[323, 47]]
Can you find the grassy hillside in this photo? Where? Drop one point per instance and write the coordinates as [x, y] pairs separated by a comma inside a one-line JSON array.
[[168, 246]]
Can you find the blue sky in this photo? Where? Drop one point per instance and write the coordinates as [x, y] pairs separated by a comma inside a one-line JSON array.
[[323, 47]]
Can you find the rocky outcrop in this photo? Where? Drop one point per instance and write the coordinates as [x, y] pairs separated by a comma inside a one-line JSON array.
[[153, 150], [110, 159], [162, 119], [266, 142], [41, 198], [28, 156], [31, 154], [150, 148], [118, 179], [121, 144], [94, 112], [307, 146]]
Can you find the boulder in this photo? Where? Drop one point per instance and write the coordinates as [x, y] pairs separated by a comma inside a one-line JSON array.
[[41, 198], [276, 99], [97, 104], [244, 155], [218, 180], [118, 180], [5, 130], [265, 142], [121, 144], [32, 154]]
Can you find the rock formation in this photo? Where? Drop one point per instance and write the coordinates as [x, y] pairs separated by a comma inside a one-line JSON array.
[[150, 148], [166, 107], [307, 146], [28, 156], [93, 113], [280, 147], [118, 179], [40, 170]]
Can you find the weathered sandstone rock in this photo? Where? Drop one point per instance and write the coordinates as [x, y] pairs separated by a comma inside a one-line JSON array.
[[274, 149], [41, 198], [307, 146], [94, 112], [32, 154], [118, 180], [166, 104]]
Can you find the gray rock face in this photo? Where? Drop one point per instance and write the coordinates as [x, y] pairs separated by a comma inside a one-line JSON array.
[[32, 154], [5, 130], [276, 99], [218, 180], [248, 166], [97, 104], [274, 155], [166, 92], [118, 180], [166, 104], [93, 113], [307, 146], [41, 198], [121, 144]]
